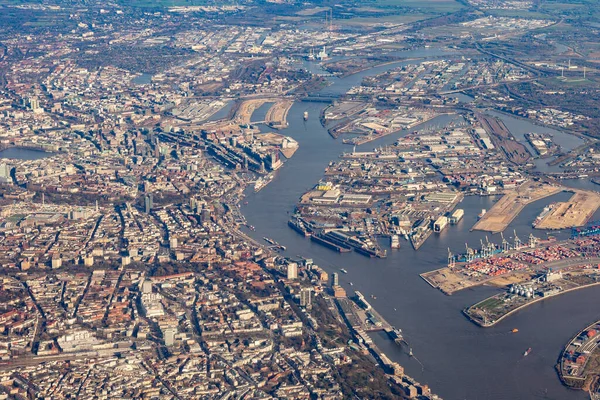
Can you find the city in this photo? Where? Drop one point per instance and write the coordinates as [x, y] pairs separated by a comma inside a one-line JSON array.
[[303, 200]]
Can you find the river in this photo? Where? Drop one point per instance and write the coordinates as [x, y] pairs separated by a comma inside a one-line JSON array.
[[459, 360]]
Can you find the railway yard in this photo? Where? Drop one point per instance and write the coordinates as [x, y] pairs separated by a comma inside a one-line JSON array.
[[502, 138]]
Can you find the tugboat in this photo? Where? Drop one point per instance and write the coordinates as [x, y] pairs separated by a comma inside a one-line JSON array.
[[527, 352]]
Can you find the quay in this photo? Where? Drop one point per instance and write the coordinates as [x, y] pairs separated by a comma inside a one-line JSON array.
[[511, 204], [575, 361], [494, 309]]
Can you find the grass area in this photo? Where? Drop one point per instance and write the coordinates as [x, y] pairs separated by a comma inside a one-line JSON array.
[[170, 3], [490, 303], [519, 14], [392, 19], [435, 6]]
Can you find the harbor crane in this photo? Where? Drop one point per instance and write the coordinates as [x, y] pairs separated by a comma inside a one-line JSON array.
[[518, 242], [451, 259], [505, 244]]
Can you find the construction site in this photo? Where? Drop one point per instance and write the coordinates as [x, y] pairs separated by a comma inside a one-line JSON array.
[[573, 213], [512, 203], [276, 116]]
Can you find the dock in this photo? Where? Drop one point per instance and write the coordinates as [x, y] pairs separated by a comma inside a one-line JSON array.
[[512, 203], [573, 213]]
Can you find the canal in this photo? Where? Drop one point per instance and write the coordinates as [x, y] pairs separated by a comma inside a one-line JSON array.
[[456, 359]]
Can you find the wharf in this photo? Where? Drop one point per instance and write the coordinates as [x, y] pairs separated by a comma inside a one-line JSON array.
[[479, 314], [512, 203], [573, 213], [417, 241], [573, 374]]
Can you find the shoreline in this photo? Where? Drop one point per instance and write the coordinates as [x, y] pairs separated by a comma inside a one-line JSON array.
[[559, 364], [489, 325]]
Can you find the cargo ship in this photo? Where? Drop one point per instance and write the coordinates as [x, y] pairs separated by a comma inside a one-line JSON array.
[[299, 226], [396, 335], [395, 242], [543, 214], [481, 214], [322, 241]]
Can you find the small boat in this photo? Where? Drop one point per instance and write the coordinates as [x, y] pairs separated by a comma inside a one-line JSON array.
[[410, 352], [515, 330], [351, 284], [305, 115], [527, 352], [373, 297], [343, 270]]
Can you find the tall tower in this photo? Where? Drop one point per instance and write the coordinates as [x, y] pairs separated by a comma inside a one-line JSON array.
[[335, 279], [305, 297], [292, 271], [148, 203]]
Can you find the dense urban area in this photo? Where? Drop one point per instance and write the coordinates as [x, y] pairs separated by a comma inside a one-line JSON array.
[[132, 134]]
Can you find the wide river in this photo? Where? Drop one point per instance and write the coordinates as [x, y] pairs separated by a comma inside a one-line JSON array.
[[457, 359]]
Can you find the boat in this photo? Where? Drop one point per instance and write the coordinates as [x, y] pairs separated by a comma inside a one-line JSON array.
[[396, 335], [543, 214], [298, 225], [262, 182], [482, 213], [343, 270], [351, 284], [395, 242], [259, 184], [270, 241], [527, 352], [515, 330], [410, 352], [306, 115]]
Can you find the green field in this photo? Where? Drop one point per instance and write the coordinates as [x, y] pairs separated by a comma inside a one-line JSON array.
[[435, 6]]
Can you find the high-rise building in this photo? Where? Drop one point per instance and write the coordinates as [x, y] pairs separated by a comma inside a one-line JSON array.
[[34, 103], [170, 336], [148, 200], [292, 271], [205, 215], [335, 280], [4, 173], [305, 297]]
